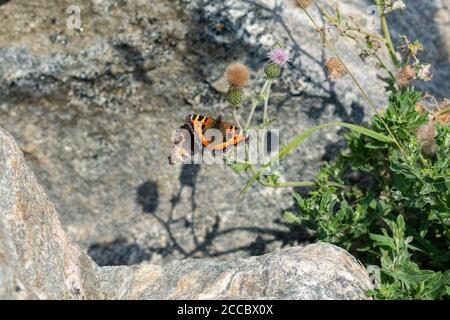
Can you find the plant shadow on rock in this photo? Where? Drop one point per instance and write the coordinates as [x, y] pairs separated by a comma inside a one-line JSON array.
[[134, 59], [148, 196], [264, 236], [216, 37], [119, 252]]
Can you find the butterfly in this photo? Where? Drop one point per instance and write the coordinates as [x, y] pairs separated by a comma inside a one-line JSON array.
[[210, 134]]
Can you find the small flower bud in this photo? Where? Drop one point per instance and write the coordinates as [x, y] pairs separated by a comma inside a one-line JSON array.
[[235, 96], [272, 70]]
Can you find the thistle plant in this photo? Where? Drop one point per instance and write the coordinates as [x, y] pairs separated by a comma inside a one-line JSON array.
[[237, 77], [398, 223]]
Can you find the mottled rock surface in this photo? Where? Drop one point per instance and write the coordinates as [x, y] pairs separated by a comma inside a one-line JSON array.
[[93, 110], [37, 260]]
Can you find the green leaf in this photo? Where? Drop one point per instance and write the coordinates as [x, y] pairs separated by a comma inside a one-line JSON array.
[[272, 178], [239, 167], [289, 217], [381, 240], [413, 278], [437, 286]]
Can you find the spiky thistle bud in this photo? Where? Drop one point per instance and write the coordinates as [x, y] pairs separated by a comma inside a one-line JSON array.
[[235, 96], [272, 70]]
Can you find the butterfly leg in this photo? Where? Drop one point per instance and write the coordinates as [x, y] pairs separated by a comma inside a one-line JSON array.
[[188, 124]]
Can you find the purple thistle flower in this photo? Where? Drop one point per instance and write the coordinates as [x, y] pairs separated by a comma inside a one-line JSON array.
[[278, 56]]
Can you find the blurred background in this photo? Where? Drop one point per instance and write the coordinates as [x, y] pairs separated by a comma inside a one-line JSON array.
[[92, 91]]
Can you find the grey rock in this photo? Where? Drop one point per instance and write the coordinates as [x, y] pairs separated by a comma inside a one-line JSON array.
[[37, 260], [93, 110]]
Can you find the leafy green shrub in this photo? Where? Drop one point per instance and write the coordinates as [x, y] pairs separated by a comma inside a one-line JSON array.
[[386, 199], [409, 195]]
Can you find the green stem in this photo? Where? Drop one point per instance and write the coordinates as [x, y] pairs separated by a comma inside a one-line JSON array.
[[291, 184], [266, 101], [383, 66], [237, 119], [255, 101], [387, 34], [265, 183], [304, 184], [357, 29], [262, 139]]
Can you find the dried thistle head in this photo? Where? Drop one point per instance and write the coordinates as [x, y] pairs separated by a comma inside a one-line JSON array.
[[405, 75], [425, 136], [419, 107], [237, 75], [424, 72], [392, 5], [444, 118], [299, 3], [438, 111], [335, 68]]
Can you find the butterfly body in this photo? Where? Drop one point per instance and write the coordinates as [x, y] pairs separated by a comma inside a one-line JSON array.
[[201, 125], [208, 133]]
